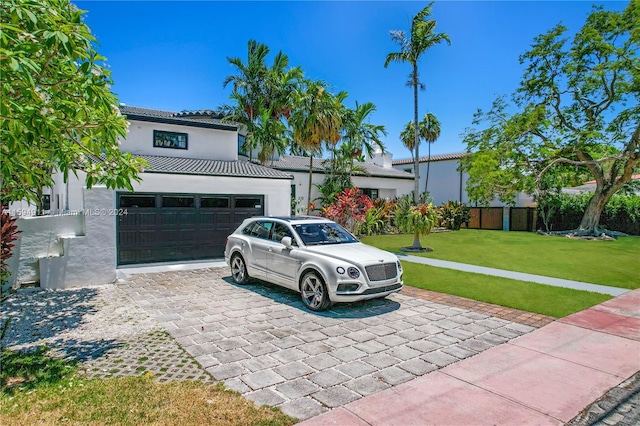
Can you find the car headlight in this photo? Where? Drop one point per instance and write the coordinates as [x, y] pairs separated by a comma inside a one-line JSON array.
[[399, 266], [353, 272], [340, 270]]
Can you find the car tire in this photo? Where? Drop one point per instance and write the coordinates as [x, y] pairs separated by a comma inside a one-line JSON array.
[[314, 292], [239, 273]]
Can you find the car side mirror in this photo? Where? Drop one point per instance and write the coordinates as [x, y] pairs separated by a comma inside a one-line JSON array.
[[287, 242]]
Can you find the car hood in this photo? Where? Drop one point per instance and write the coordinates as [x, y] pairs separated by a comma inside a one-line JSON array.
[[354, 253]]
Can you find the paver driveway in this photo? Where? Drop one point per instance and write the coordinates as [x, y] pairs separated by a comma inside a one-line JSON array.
[[262, 342]]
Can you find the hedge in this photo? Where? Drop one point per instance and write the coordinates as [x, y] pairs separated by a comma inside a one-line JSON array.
[[622, 212]]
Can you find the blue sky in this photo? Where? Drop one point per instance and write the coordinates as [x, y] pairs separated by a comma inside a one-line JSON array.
[[173, 55]]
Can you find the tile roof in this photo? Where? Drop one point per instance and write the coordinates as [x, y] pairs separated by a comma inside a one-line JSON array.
[[301, 164], [439, 157], [192, 166], [203, 118]]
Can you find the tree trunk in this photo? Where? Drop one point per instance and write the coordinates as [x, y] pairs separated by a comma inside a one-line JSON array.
[[416, 241], [310, 181], [426, 182], [416, 160], [591, 218]]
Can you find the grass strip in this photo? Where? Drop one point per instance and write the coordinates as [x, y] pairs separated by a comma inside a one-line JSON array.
[[611, 263], [531, 297]]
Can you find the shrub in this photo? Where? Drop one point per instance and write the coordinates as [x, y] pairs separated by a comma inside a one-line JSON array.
[[453, 214], [349, 209], [561, 212], [378, 217], [9, 235], [418, 219]]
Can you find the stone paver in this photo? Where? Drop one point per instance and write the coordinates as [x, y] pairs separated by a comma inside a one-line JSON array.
[[308, 360], [101, 327], [259, 339]]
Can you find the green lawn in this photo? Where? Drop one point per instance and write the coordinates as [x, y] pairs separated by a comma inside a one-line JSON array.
[[613, 263], [543, 299], [38, 389]]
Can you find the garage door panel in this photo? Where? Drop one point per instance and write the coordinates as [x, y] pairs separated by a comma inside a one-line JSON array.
[[183, 230]]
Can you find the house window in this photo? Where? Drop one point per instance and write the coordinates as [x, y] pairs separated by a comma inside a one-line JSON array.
[[137, 201], [371, 193], [214, 202], [250, 203], [241, 141], [162, 139], [177, 202]]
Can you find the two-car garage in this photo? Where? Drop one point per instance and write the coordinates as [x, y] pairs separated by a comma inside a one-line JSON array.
[[160, 227]]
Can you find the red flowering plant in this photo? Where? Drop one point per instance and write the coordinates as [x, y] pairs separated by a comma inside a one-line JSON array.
[[9, 234], [349, 209]]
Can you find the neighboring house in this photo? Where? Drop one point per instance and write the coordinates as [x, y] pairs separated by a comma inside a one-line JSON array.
[[591, 186], [447, 182], [376, 178], [197, 188]]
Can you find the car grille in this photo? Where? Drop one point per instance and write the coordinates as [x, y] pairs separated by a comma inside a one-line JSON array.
[[385, 271]]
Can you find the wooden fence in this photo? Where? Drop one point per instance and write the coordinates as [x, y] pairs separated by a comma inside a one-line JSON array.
[[486, 218], [522, 219]]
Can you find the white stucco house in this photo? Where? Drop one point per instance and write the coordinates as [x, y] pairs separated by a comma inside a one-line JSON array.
[[197, 188], [446, 182], [375, 177]]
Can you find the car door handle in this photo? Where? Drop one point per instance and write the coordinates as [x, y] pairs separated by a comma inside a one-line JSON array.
[[270, 250]]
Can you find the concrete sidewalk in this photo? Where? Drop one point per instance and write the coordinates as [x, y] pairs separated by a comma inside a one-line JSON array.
[[545, 377], [520, 276]]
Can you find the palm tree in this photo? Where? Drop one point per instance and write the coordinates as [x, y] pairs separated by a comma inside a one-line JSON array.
[[358, 134], [315, 119], [258, 88], [430, 132], [421, 38]]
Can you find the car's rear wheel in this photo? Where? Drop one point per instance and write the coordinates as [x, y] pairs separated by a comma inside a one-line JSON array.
[[239, 273], [314, 292]]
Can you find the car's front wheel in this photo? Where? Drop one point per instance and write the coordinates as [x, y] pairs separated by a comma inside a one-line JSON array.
[[314, 292], [239, 273]]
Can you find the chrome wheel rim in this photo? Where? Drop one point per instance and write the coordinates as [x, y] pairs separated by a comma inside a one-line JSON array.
[[313, 292], [238, 271]]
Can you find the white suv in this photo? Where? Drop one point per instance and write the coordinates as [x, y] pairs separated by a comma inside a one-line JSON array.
[[314, 256]]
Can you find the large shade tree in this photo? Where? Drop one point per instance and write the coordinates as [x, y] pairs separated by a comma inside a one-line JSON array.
[[57, 110], [577, 106], [421, 37]]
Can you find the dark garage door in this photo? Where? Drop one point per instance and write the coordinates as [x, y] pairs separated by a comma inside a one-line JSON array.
[[173, 227]]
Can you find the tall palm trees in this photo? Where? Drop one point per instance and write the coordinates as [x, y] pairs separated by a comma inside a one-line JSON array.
[[359, 133], [421, 37], [262, 97], [429, 130], [315, 119]]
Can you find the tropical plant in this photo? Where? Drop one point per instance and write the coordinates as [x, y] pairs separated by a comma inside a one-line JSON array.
[[315, 119], [9, 234], [378, 217], [349, 210], [578, 104], [421, 38], [359, 135], [419, 219], [429, 130], [262, 98], [57, 110], [453, 214]]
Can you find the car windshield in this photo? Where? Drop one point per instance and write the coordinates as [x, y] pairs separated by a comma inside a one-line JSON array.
[[323, 233]]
